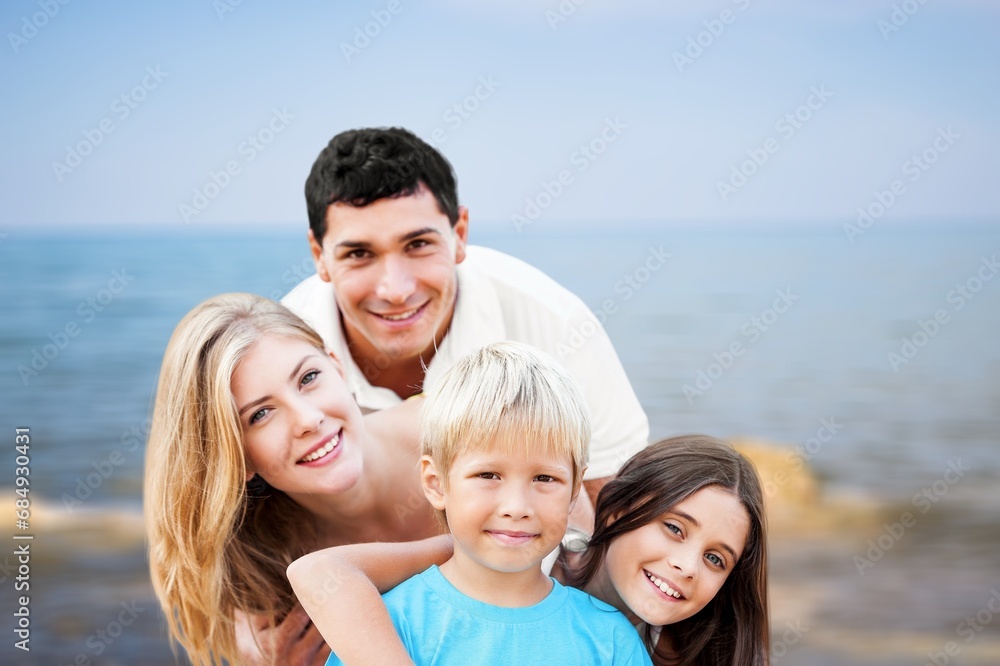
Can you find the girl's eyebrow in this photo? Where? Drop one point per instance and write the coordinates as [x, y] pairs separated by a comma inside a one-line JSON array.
[[691, 519]]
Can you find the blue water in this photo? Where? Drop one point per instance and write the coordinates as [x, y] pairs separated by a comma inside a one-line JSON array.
[[824, 356]]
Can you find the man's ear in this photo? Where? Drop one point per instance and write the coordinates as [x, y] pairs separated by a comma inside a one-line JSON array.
[[317, 255], [461, 230], [432, 482]]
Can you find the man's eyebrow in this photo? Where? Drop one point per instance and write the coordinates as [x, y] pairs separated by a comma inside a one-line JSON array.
[[418, 232], [408, 236]]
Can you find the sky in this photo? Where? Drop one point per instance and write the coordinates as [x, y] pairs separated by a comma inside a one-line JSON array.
[[211, 112]]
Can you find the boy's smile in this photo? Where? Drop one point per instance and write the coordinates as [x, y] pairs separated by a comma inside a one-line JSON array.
[[506, 511]]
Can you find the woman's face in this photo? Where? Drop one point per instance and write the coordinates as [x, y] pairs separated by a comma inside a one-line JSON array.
[[302, 431], [669, 569]]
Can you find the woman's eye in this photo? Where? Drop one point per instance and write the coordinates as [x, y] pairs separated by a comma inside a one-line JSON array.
[[258, 415], [310, 377], [715, 559]]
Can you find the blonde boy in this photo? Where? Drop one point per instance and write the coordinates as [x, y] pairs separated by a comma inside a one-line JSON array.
[[504, 436]]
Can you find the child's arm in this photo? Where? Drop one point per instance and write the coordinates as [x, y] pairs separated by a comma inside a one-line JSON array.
[[340, 590]]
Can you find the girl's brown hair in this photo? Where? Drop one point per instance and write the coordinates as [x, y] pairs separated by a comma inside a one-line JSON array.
[[732, 629]]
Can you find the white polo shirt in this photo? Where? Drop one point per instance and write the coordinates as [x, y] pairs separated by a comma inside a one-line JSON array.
[[503, 298]]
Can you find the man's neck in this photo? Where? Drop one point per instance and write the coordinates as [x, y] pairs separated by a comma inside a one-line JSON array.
[[404, 377]]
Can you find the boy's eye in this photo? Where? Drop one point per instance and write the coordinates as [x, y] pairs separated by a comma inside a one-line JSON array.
[[545, 478], [488, 475]]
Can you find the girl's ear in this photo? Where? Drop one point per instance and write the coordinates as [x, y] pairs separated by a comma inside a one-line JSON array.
[[433, 483]]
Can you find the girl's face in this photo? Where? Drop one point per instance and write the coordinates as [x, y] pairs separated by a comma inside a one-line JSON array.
[[302, 431], [669, 569]]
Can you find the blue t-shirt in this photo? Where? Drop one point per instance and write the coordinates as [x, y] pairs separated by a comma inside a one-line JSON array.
[[439, 625]]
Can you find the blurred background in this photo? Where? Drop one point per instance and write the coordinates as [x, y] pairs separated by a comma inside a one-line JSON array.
[[822, 177]]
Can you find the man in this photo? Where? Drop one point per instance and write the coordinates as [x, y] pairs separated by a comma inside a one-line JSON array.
[[399, 296]]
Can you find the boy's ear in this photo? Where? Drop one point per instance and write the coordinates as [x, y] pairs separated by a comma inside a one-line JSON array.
[[432, 482], [577, 485]]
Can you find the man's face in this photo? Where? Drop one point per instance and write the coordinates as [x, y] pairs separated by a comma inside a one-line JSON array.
[[392, 265]]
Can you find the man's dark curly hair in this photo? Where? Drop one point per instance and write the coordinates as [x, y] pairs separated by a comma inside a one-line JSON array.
[[361, 166]]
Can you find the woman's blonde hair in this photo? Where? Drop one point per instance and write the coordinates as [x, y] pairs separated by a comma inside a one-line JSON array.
[[212, 549]]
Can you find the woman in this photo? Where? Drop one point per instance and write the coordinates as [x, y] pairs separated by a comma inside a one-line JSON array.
[[258, 455], [679, 546]]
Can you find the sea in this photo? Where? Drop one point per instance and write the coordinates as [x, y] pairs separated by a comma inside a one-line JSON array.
[[872, 357]]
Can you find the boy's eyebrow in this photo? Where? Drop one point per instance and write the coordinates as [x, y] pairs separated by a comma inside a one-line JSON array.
[[691, 519]]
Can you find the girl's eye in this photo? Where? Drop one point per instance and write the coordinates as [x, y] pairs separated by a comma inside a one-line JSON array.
[[673, 528], [309, 377], [716, 560], [258, 415]]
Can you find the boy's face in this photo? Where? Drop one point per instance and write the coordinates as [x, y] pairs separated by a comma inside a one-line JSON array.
[[506, 512], [392, 265]]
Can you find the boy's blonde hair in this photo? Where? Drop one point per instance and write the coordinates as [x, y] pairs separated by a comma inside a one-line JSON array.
[[507, 396]]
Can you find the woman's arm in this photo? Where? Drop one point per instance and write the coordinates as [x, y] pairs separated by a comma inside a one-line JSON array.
[[340, 589]]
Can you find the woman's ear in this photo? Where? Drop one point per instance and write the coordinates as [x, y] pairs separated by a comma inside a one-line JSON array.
[[433, 483], [336, 363]]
